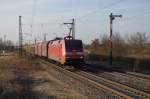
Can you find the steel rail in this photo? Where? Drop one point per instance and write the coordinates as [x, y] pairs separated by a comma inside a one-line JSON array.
[[139, 75], [91, 82], [117, 85], [131, 76]]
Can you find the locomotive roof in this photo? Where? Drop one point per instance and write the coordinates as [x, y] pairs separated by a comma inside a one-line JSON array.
[[57, 38]]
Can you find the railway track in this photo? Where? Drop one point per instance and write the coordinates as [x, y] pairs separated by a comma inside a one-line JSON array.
[[133, 76], [139, 75], [123, 78], [119, 87], [100, 83], [139, 85], [127, 80], [86, 80], [114, 88], [135, 82]]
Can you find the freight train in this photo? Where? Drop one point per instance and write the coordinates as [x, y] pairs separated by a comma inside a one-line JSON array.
[[61, 50]]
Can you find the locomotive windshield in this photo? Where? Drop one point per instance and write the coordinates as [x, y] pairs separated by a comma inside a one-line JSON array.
[[73, 44]]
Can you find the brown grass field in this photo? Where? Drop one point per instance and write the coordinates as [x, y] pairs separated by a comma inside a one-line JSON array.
[[22, 78]]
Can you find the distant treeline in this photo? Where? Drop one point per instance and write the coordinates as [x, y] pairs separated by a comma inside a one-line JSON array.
[[132, 51], [135, 45], [6, 45]]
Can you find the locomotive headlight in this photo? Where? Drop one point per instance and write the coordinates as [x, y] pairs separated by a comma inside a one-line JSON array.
[[63, 52], [79, 53], [81, 57], [69, 53]]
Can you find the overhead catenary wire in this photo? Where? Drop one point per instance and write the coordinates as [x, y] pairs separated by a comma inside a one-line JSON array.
[[33, 14], [133, 17], [78, 18], [100, 9]]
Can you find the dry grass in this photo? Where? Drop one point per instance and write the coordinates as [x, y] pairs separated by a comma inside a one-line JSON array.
[[142, 54], [22, 78]]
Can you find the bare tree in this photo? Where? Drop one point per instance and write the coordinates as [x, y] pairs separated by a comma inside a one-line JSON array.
[[118, 44], [104, 41], [1, 43], [137, 40], [6, 45], [94, 45], [133, 45]]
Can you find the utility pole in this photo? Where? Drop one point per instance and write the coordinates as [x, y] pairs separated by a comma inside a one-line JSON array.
[[4, 42], [72, 29], [20, 35], [112, 17], [42, 27], [44, 37], [35, 40]]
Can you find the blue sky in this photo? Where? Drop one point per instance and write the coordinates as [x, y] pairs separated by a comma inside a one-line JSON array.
[[91, 16]]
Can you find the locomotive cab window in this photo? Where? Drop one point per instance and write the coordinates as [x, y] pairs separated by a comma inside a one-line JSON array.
[[73, 44]]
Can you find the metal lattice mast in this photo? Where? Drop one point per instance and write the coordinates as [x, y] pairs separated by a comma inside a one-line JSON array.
[[20, 35], [72, 29]]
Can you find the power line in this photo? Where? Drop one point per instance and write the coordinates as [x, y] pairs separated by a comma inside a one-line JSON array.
[[105, 7], [39, 24], [33, 14], [133, 17]]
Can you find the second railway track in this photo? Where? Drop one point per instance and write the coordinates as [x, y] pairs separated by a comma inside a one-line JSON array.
[[131, 81], [119, 87], [143, 76], [124, 78]]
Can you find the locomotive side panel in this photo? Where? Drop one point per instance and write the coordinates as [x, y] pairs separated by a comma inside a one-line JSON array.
[[62, 52], [55, 51]]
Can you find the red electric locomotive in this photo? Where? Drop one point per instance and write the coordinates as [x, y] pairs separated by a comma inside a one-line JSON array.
[[66, 50], [62, 50]]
